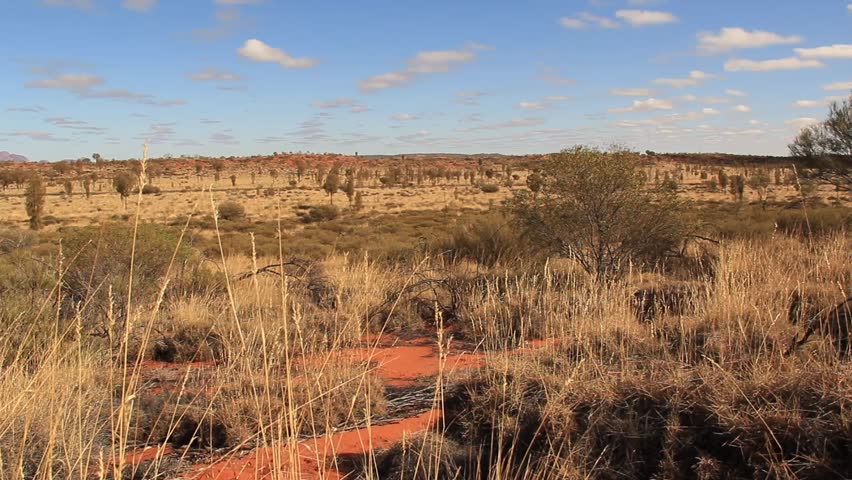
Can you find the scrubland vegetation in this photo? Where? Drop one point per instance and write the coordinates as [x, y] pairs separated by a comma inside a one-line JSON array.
[[587, 314]]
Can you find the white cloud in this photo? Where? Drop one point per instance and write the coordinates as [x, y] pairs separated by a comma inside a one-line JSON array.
[[602, 22], [645, 105], [572, 23], [583, 19], [258, 51], [807, 103], [736, 93], [710, 111], [216, 75], [470, 98], [714, 100], [849, 7], [837, 50], [556, 98], [424, 63], [405, 116], [801, 122], [632, 92], [139, 5], [742, 109], [68, 81], [735, 38], [533, 105], [641, 18], [551, 75], [817, 103], [838, 86], [789, 63], [696, 77]]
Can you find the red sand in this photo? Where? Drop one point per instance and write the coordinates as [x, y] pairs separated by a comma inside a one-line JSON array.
[[398, 365], [315, 454]]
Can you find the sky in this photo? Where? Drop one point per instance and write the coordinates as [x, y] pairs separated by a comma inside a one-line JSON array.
[[245, 77]]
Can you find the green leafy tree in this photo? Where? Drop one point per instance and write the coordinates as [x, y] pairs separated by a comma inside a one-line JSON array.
[[593, 207], [331, 184], [68, 187], [825, 149], [35, 195], [349, 189], [738, 184], [759, 182]]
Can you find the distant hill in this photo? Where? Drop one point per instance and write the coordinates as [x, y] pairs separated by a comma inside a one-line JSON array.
[[11, 157]]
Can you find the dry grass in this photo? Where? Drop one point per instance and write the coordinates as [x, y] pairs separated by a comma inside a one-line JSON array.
[[266, 360]]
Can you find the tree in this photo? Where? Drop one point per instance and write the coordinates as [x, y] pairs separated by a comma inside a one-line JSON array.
[[274, 174], [723, 178], [233, 180], [349, 189], [738, 187], [359, 201], [331, 184], [35, 195], [124, 182], [68, 186], [593, 207], [87, 187], [759, 182], [825, 149]]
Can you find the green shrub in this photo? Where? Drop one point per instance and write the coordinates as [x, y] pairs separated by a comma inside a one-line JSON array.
[[231, 210], [99, 260], [489, 188], [818, 221], [487, 241], [319, 213], [150, 189]]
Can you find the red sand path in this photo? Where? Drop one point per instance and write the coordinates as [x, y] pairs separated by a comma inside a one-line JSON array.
[[399, 365]]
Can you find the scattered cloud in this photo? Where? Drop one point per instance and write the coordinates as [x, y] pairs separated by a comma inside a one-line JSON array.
[[696, 77], [71, 124], [838, 86], [556, 98], [67, 81], [742, 109], [469, 98], [551, 75], [423, 63], [838, 50], [641, 18], [208, 121], [139, 5], [214, 75], [632, 92], [343, 102], [817, 103], [735, 38], [36, 135], [736, 93], [533, 105], [710, 111], [405, 117], [224, 138], [789, 63], [584, 19], [257, 51], [31, 109], [801, 122], [644, 106], [81, 84], [514, 123]]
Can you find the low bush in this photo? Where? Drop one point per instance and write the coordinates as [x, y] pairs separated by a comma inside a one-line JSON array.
[[231, 210]]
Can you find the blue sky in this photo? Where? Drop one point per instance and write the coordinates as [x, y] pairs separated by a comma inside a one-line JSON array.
[[239, 77]]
